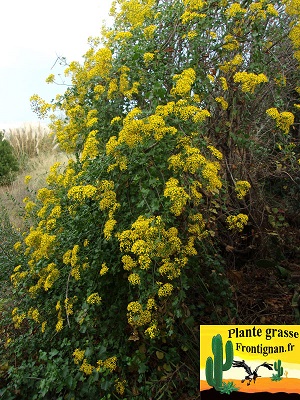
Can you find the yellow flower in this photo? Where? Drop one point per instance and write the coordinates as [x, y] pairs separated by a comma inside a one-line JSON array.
[[237, 222], [120, 386], [215, 152], [177, 195], [148, 57], [134, 279], [184, 82], [108, 228], [78, 355], [242, 188], [90, 148], [224, 83], [50, 78], [222, 101], [82, 192], [110, 363], [59, 325], [284, 120], [17, 247], [27, 179], [94, 298], [149, 31], [235, 9], [152, 331], [249, 80], [103, 269], [86, 368], [232, 64], [128, 263], [43, 327]]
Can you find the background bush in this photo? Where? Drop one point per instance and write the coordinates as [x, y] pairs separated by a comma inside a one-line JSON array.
[[8, 161]]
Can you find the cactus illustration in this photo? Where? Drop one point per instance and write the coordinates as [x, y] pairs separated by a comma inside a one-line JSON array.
[[214, 368], [278, 368]]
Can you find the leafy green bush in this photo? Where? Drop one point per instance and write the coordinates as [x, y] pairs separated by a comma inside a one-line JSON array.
[[169, 120], [8, 161]]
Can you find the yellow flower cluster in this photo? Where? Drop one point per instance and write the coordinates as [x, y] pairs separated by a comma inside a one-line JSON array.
[[237, 222], [112, 88], [149, 31], [184, 82], [71, 257], [86, 368], [123, 36], [124, 84], [120, 386], [108, 201], [99, 64], [82, 192], [172, 268], [52, 274], [185, 111], [271, 10], [257, 9], [78, 355], [148, 57], [197, 226], [152, 331], [284, 120], [230, 66], [39, 106], [110, 364], [50, 78], [17, 246], [133, 12], [103, 269], [17, 317], [41, 243], [60, 320], [196, 196], [242, 188], [294, 35], [33, 313], [94, 298], [18, 276], [128, 262], [222, 101], [191, 12], [136, 315], [177, 195], [234, 10], [230, 43], [224, 83], [210, 173], [249, 81], [134, 279], [165, 290], [69, 302], [90, 148], [215, 152], [192, 161]]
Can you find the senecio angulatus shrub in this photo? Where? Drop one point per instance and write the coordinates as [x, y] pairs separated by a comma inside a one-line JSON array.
[[171, 119]]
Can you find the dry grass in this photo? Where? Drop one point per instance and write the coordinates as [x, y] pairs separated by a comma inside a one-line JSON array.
[[37, 151], [31, 140]]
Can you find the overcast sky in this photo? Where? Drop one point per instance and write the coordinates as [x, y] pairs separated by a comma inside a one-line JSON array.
[[32, 34]]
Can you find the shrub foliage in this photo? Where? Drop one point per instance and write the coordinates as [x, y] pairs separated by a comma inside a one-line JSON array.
[[176, 118], [8, 161]]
